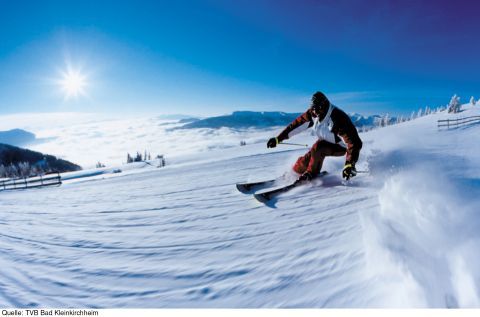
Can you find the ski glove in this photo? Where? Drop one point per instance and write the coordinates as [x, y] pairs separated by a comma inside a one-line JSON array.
[[349, 171], [272, 142], [307, 176]]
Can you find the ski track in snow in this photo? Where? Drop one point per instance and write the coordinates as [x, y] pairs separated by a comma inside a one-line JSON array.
[[198, 244], [405, 235]]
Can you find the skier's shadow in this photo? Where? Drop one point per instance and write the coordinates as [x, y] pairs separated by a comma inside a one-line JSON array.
[[271, 203], [330, 181]]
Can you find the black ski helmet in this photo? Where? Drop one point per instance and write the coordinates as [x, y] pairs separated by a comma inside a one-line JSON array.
[[319, 100]]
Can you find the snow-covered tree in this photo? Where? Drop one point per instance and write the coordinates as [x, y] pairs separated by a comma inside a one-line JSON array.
[[24, 169], [472, 101], [36, 170], [427, 110], [454, 104], [386, 120], [12, 171], [420, 113], [412, 116]]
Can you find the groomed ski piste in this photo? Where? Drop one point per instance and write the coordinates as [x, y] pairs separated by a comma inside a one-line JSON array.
[[403, 235]]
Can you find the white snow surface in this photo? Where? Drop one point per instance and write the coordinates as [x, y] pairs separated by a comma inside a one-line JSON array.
[[403, 235]]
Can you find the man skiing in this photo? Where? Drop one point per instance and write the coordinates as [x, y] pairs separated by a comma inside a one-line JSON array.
[[336, 134]]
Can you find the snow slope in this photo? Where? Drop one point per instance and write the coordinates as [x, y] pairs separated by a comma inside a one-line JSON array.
[[404, 235]]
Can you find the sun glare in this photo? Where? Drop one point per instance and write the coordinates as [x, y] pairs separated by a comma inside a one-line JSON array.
[[73, 84]]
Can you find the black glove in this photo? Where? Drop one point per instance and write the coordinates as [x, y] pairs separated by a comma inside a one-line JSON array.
[[307, 176], [272, 142], [349, 171]]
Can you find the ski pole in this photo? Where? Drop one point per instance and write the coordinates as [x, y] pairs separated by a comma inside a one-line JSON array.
[[296, 144]]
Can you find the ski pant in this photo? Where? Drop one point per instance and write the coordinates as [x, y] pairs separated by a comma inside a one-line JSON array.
[[312, 161]]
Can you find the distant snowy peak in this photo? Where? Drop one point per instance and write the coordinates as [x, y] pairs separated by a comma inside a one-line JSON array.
[[370, 121], [244, 119], [17, 137], [253, 119]]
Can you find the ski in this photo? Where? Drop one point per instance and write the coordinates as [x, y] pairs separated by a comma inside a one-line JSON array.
[[265, 196], [247, 188]]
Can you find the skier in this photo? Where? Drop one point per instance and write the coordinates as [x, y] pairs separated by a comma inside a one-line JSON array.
[[336, 134]]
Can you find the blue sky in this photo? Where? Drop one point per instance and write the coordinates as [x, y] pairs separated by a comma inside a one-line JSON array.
[[213, 57]]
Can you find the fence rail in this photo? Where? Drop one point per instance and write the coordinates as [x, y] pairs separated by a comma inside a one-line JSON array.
[[456, 123], [31, 182]]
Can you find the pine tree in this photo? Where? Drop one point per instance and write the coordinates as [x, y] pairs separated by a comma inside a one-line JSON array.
[[23, 169], [35, 171], [420, 113], [12, 171], [2, 171], [454, 104], [385, 120]]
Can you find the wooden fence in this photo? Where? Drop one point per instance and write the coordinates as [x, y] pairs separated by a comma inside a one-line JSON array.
[[31, 182], [457, 123]]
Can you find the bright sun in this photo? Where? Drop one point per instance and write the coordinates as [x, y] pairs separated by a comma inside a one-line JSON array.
[[73, 83]]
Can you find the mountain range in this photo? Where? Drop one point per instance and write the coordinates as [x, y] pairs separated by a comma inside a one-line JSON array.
[[253, 119]]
